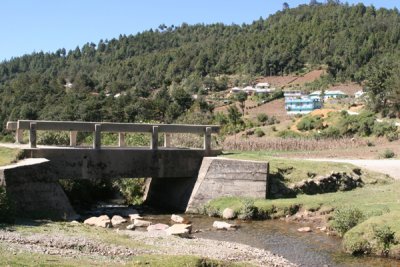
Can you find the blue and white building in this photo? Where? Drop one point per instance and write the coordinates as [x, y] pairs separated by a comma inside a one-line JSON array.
[[296, 102]]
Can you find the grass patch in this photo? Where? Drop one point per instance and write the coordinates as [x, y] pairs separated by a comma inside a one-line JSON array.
[[371, 200], [175, 261], [21, 258], [8, 155], [292, 170], [379, 235]]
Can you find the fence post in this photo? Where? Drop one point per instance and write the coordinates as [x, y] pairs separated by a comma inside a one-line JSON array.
[[154, 138], [207, 140], [32, 134], [97, 136], [167, 140], [72, 138], [121, 140]]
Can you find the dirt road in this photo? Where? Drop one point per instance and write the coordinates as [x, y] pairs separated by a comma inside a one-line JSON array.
[[387, 166]]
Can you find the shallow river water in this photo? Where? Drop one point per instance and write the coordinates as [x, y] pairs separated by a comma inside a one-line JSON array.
[[282, 238]]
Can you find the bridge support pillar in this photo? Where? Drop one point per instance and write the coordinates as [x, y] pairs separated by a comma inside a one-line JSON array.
[[32, 135], [72, 138], [19, 136], [207, 140], [121, 140], [154, 138], [167, 140], [97, 136]]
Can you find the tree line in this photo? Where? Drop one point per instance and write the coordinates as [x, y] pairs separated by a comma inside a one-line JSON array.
[[160, 69]]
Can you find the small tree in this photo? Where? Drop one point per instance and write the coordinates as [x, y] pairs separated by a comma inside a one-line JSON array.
[[285, 6], [241, 97]]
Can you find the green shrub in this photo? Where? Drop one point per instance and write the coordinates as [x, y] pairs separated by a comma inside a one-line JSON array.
[[309, 123], [392, 136], [385, 236], [248, 210], [262, 117], [388, 154], [385, 129], [131, 189], [288, 134], [259, 132], [370, 143], [330, 132], [346, 218]]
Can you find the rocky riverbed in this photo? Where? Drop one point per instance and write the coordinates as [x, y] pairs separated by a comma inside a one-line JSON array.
[[146, 243]]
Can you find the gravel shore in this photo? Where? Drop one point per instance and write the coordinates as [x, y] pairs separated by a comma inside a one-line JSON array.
[[73, 246]]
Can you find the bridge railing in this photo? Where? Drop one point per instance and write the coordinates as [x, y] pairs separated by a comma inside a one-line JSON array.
[[98, 127]]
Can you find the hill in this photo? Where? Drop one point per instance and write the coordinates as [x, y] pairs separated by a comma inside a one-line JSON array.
[[152, 75]]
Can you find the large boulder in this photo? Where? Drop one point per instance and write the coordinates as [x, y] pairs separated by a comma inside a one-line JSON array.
[[219, 225], [228, 214], [182, 230], [177, 218], [304, 229], [117, 220], [102, 221], [141, 223], [134, 216]]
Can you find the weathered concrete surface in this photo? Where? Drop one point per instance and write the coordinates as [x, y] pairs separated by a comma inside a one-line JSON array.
[[35, 190], [227, 177], [170, 193], [85, 163]]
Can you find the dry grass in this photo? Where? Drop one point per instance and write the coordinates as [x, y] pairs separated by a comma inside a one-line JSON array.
[[291, 144]]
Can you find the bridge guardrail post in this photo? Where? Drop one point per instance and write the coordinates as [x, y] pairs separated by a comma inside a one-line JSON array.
[[72, 138], [19, 133], [167, 140], [97, 136], [154, 138], [207, 140], [121, 140], [32, 134]]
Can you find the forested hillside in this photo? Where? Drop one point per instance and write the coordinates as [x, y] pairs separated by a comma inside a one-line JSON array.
[[158, 70]]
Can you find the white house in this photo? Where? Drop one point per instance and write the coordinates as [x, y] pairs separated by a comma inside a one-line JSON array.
[[328, 95], [235, 90], [249, 90], [262, 85]]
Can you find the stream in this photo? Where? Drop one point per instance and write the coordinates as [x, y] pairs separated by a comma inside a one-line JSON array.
[[280, 237]]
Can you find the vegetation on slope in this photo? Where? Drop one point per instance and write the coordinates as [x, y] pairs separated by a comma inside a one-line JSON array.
[[158, 70]]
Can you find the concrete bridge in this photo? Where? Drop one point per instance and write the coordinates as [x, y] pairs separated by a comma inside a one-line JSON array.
[[33, 183]]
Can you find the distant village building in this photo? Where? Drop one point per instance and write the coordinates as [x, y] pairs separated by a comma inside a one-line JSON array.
[[328, 95], [359, 94], [301, 105], [297, 102], [249, 90], [262, 85], [235, 90], [259, 89]]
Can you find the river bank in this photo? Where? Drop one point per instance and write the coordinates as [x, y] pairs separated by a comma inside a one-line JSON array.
[[74, 244]]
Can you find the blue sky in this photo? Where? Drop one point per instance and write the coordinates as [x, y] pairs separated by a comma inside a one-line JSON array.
[[46, 25]]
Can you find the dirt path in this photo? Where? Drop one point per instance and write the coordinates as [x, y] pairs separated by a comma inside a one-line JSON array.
[[386, 166]]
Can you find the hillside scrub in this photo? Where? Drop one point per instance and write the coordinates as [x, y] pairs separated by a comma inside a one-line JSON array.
[[106, 81], [341, 124]]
